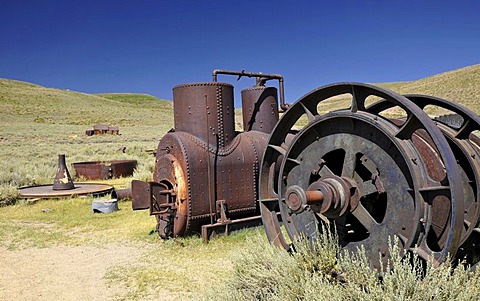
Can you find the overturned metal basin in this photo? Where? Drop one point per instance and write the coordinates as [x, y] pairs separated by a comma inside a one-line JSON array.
[[101, 170]]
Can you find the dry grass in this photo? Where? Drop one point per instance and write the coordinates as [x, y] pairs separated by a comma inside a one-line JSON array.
[[324, 272], [39, 123], [179, 268]]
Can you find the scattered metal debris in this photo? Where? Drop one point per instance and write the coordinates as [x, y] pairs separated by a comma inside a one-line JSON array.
[[102, 170], [104, 206], [63, 186]]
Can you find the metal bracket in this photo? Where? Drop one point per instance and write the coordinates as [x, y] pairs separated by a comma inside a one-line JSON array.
[[229, 225], [222, 211]]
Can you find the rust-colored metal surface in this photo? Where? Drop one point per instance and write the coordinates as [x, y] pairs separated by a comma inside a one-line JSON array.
[[63, 186], [260, 109], [206, 111], [47, 191], [102, 170], [204, 161], [62, 180], [367, 177], [122, 194]]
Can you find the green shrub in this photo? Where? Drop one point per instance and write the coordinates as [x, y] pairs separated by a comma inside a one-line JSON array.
[[9, 195], [324, 272]]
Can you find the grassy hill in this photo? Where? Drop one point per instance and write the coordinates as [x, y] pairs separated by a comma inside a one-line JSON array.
[[25, 102], [461, 86], [39, 123]]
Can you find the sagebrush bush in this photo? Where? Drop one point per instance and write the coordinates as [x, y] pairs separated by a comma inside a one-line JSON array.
[[9, 195], [322, 271]]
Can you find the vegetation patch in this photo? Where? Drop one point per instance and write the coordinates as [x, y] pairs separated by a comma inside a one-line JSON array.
[[39, 123], [324, 272]]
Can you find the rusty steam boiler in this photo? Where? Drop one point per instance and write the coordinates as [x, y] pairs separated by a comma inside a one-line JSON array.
[[206, 173], [370, 177]]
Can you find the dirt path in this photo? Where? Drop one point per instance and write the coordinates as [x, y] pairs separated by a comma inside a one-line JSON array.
[[61, 272]]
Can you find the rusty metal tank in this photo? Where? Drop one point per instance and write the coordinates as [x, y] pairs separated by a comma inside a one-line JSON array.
[[206, 174], [259, 108], [205, 110]]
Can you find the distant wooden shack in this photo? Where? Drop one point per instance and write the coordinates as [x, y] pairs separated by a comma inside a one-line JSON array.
[[101, 129]]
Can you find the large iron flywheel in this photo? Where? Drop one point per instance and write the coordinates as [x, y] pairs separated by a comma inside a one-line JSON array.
[[372, 179]]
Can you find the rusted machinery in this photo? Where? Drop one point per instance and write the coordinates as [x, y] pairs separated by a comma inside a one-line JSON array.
[[370, 177], [63, 186], [206, 173], [375, 179]]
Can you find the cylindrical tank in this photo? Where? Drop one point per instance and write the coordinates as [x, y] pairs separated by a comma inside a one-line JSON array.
[[182, 165], [260, 109], [205, 110]]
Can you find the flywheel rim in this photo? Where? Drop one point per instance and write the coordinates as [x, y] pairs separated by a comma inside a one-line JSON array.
[[417, 119], [466, 146]]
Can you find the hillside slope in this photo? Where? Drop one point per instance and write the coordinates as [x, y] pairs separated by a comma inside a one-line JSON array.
[[461, 86], [24, 102]]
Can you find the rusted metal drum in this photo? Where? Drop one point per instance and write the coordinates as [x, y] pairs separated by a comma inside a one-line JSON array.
[[205, 110], [102, 170], [260, 109]]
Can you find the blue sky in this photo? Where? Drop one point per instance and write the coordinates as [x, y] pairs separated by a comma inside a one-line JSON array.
[[150, 46]]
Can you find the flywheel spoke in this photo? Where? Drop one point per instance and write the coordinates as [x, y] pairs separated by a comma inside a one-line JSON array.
[[349, 162], [364, 217]]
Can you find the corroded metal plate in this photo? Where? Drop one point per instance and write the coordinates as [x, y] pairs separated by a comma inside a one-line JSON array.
[[102, 170], [46, 191]]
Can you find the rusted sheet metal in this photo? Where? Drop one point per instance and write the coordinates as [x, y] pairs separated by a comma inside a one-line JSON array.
[[46, 191], [206, 111], [204, 161], [63, 186], [140, 195], [259, 109], [101, 170]]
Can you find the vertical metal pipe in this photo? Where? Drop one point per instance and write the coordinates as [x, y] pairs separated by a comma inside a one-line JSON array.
[[209, 180]]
